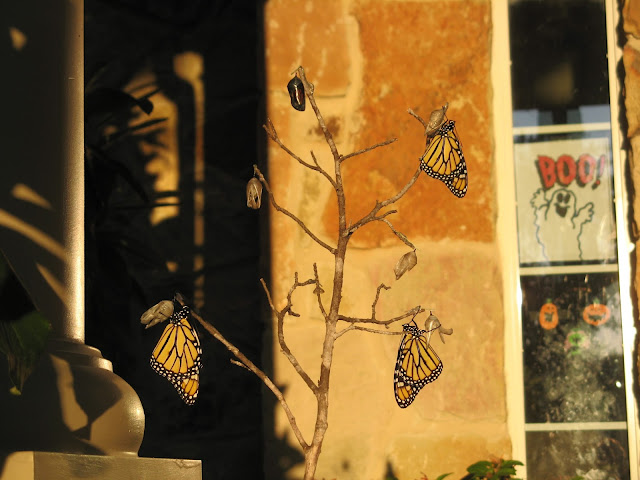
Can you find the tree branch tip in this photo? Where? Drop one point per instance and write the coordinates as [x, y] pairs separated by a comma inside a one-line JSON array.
[[239, 364]]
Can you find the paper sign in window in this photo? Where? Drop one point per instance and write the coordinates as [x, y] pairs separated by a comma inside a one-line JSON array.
[[565, 202]]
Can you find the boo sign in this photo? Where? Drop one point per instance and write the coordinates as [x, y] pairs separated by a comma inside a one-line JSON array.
[[565, 202], [566, 169]]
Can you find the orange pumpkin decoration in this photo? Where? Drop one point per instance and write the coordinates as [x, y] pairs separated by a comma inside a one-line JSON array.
[[548, 316], [596, 314]]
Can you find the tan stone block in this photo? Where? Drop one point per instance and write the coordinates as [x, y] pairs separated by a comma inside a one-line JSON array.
[[631, 59], [308, 33], [413, 59], [446, 447], [471, 411], [631, 17]]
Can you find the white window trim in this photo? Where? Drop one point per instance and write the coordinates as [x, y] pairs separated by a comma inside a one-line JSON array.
[[507, 233]]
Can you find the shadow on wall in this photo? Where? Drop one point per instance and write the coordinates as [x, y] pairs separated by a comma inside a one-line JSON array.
[[225, 426], [122, 39]]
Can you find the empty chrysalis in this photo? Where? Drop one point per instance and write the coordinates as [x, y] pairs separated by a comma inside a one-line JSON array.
[[254, 193], [436, 120]]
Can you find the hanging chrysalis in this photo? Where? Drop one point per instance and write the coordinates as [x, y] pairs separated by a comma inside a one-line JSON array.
[[254, 193], [406, 263], [158, 313], [436, 120], [296, 92]]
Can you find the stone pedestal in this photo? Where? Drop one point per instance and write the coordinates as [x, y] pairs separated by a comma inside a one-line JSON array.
[[75, 417], [64, 466]]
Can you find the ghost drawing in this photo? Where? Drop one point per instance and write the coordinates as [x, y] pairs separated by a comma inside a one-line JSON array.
[[559, 224]]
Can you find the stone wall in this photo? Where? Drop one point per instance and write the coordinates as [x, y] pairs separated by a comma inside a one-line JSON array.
[[631, 112], [370, 61], [631, 61]]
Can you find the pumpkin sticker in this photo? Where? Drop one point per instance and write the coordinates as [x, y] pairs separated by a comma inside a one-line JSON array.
[[596, 314], [548, 316]]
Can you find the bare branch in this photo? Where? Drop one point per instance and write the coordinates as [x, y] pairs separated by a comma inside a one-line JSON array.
[[286, 351], [288, 213], [259, 373], [368, 149], [385, 214], [239, 364], [308, 88], [318, 291], [292, 359], [414, 311], [375, 300], [400, 235], [371, 216], [266, 290], [365, 329], [322, 171], [419, 118], [273, 135]]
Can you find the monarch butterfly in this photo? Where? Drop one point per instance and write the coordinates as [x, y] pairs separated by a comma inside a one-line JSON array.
[[444, 160], [417, 364], [177, 356]]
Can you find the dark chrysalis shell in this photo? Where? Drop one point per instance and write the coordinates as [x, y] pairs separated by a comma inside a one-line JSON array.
[[296, 92]]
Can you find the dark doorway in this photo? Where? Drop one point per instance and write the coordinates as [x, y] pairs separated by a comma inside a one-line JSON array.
[[132, 263]]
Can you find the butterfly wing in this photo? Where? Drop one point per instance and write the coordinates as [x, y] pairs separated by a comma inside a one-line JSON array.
[[178, 356], [188, 388], [444, 160], [417, 365]]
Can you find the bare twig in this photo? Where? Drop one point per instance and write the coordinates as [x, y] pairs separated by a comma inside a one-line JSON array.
[[368, 149], [266, 290], [400, 235], [323, 171], [412, 312], [364, 329], [258, 173], [371, 216], [286, 351], [273, 135], [319, 291], [419, 118], [239, 364], [259, 373], [375, 300], [308, 87]]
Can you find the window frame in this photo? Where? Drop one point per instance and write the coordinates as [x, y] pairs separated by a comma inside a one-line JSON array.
[[507, 233]]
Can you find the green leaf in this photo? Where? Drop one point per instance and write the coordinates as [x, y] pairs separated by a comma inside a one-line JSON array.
[[505, 472], [480, 468], [509, 463], [444, 475], [23, 341]]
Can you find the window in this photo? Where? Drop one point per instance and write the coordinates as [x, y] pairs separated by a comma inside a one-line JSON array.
[[568, 308]]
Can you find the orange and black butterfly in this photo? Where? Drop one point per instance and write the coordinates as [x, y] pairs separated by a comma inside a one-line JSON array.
[[418, 364], [178, 355], [443, 159]]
